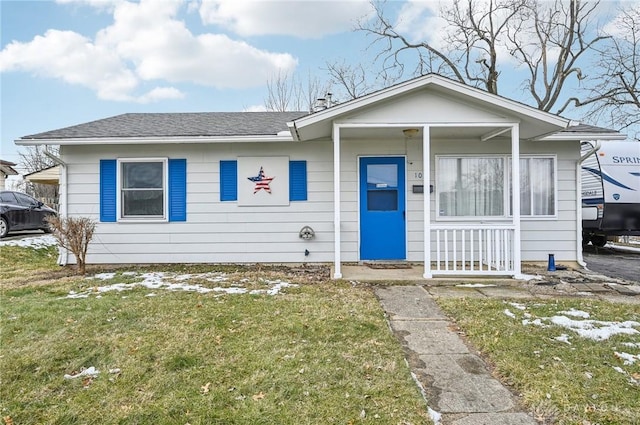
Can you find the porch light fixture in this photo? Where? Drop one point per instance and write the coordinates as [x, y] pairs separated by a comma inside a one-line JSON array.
[[410, 132]]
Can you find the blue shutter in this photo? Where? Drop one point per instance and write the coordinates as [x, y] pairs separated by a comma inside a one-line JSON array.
[[177, 190], [108, 190], [297, 180], [228, 180]]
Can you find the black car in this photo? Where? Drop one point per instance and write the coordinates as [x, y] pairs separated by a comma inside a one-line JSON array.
[[22, 212]]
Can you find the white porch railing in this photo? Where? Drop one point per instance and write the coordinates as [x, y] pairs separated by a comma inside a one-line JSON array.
[[462, 249]]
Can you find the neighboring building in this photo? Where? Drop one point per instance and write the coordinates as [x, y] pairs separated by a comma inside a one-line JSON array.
[[345, 184], [49, 175], [45, 185], [6, 170]]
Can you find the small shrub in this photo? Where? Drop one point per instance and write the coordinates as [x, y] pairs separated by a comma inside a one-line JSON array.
[[73, 234]]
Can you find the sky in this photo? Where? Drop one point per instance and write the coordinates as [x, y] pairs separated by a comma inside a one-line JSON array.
[[66, 62]]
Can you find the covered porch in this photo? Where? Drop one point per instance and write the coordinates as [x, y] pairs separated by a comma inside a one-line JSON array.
[[471, 247], [390, 151]]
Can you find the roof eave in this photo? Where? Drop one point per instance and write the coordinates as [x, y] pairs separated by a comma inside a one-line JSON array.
[[557, 137], [95, 141]]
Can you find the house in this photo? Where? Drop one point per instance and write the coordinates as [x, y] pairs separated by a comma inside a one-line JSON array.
[[429, 171], [6, 170]]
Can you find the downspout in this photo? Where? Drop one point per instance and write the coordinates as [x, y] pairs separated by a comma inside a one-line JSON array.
[[63, 195], [579, 257]]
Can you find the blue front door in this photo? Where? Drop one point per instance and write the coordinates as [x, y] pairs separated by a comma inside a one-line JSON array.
[[382, 208]]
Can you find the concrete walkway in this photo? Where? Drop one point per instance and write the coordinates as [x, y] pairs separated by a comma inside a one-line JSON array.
[[456, 382]]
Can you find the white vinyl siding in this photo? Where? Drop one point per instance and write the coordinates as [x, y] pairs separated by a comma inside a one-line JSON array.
[[218, 231], [215, 231]]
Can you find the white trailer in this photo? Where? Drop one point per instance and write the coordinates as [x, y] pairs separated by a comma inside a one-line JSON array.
[[610, 191]]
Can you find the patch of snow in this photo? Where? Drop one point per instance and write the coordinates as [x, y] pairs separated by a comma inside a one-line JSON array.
[[174, 282], [104, 276], [536, 322], [90, 371], [36, 242], [576, 313], [74, 294], [563, 338], [528, 277], [632, 344], [508, 312], [274, 290], [518, 306], [595, 329], [627, 358], [632, 380], [436, 417], [475, 285]]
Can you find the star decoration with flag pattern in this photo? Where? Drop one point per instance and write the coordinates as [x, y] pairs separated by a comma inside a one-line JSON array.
[[262, 182]]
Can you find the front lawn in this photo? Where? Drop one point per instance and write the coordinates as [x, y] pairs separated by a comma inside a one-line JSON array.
[[201, 348], [573, 361]]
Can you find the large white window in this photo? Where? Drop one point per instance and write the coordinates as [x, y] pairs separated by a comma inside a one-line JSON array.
[[470, 186], [537, 186], [481, 186], [143, 188]]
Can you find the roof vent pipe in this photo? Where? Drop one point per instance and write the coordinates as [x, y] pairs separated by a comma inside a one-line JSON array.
[[323, 103], [320, 105]]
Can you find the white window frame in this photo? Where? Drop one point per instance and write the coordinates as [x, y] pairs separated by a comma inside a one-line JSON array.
[[552, 157], [506, 158], [165, 191]]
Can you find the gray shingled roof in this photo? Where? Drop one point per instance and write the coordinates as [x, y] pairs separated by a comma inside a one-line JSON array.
[[178, 124]]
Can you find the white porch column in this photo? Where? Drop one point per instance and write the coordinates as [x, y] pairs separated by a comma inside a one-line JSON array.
[[337, 273], [515, 196], [426, 174]]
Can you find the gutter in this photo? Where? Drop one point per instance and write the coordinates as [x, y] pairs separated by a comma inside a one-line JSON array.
[[579, 257], [88, 141], [63, 254]]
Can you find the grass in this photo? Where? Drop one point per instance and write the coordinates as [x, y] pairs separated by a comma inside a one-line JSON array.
[[20, 263], [318, 353], [560, 383]]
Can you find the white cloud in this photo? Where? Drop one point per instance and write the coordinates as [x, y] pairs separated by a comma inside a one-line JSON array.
[[420, 20], [146, 43], [620, 24], [300, 18], [161, 93]]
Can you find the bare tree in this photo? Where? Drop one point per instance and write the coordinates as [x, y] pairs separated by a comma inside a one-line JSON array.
[[476, 30], [548, 38], [479, 30], [73, 234], [551, 45], [352, 79], [613, 94], [33, 159], [287, 93]]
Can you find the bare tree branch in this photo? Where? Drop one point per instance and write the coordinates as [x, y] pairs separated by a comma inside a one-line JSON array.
[[613, 95], [552, 46], [288, 93]]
